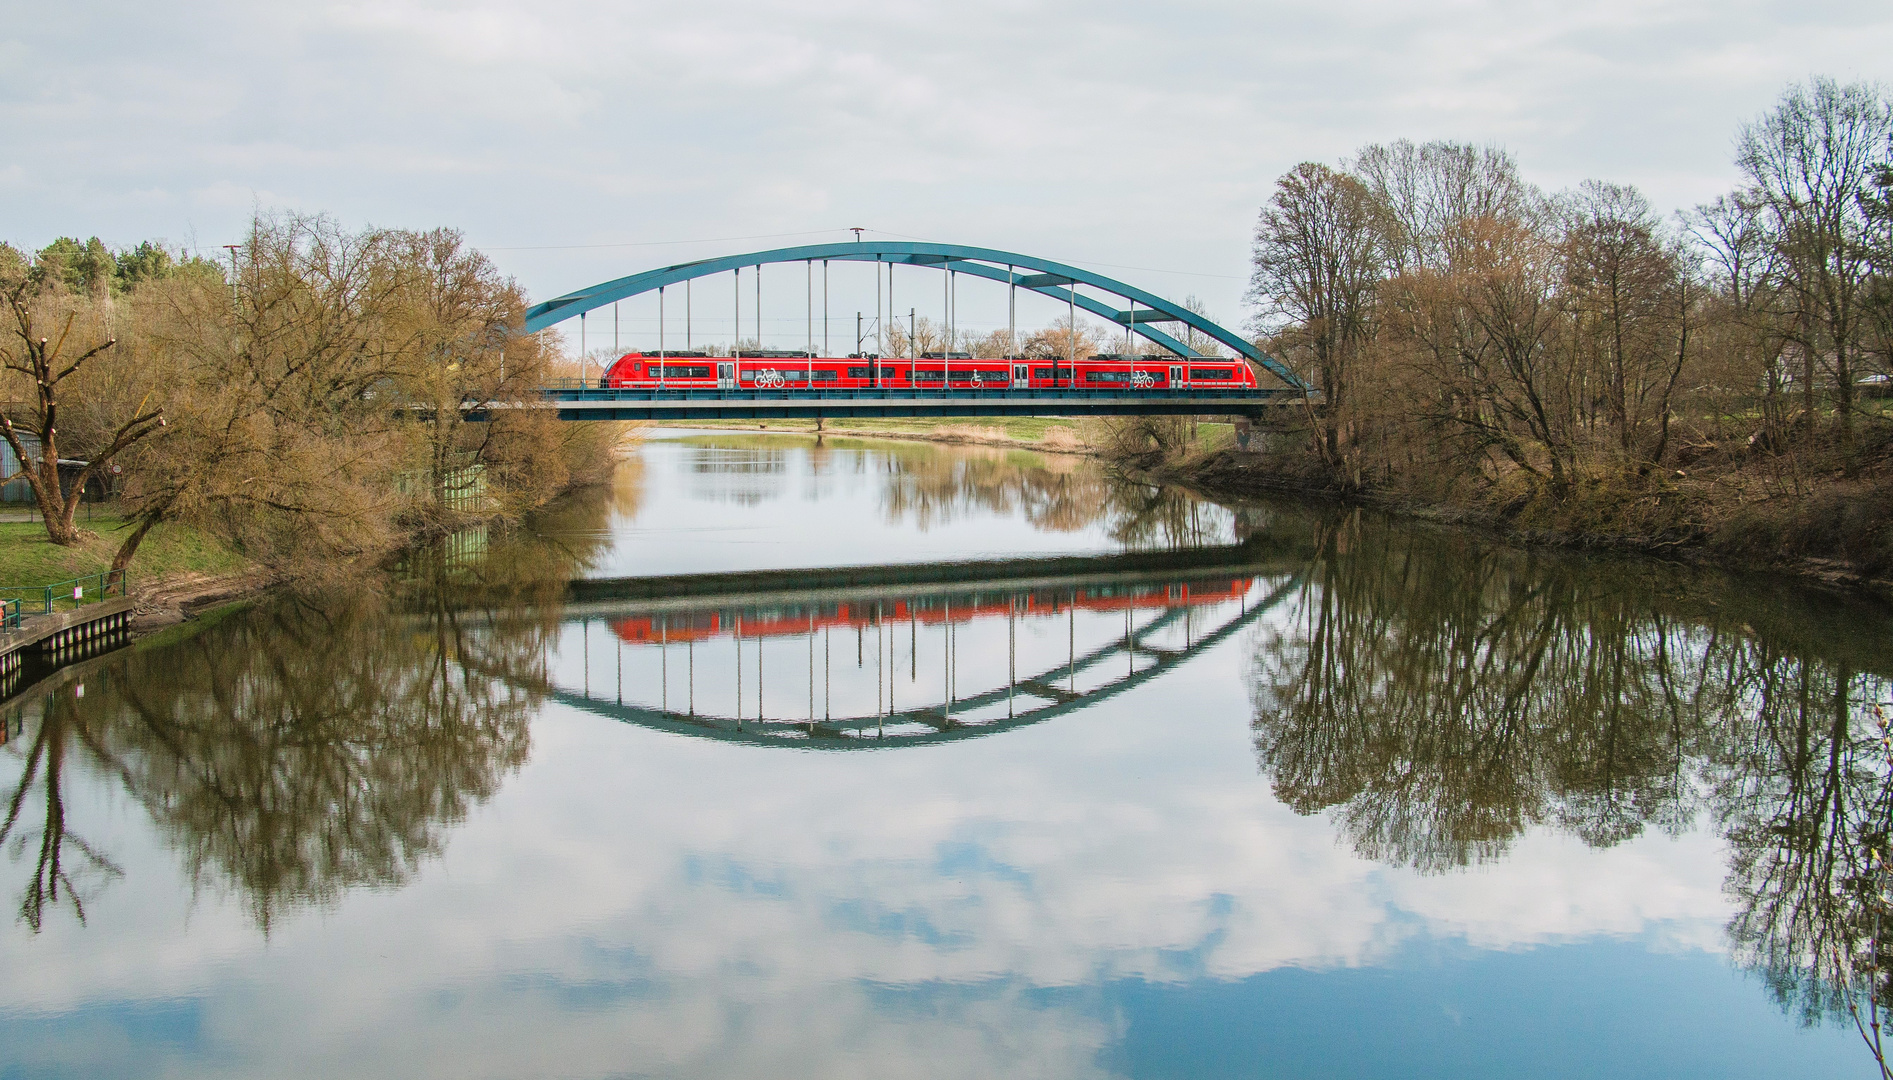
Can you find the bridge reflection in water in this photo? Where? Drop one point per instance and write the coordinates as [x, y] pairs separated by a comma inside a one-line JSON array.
[[886, 665]]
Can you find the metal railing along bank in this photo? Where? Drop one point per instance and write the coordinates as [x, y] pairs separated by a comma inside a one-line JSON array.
[[17, 601]]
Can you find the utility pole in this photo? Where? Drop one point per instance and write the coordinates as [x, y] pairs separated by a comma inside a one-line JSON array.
[[232, 249]]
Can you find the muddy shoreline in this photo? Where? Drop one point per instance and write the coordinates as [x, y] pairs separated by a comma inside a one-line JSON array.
[[174, 599]]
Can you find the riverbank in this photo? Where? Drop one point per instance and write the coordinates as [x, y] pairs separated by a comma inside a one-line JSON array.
[[1833, 532], [170, 600], [28, 558], [177, 571]]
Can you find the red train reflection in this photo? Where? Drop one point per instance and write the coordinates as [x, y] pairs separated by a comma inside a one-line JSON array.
[[792, 620]]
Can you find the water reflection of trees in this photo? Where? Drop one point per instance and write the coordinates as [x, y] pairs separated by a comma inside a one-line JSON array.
[[1054, 494], [1802, 792], [1439, 696], [746, 471], [59, 733], [932, 488], [308, 745], [309, 748]]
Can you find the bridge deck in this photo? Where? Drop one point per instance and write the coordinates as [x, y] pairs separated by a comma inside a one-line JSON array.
[[746, 404]]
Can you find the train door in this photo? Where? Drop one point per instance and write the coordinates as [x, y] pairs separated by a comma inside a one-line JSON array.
[[725, 376], [1176, 375], [1021, 376]]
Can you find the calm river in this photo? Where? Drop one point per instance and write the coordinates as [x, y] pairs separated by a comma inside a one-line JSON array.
[[1145, 786]]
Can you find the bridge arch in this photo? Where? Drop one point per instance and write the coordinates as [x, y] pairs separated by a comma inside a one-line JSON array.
[[1039, 698], [1056, 280]]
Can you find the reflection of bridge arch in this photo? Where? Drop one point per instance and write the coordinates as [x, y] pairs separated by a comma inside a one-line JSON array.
[[945, 722], [1059, 281]]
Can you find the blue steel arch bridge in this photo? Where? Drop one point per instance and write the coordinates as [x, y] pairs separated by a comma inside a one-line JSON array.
[[1163, 323]]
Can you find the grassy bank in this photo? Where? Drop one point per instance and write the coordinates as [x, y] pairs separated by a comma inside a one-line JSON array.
[[27, 558]]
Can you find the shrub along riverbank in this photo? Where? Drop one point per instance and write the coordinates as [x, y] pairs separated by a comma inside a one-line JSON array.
[[297, 412]]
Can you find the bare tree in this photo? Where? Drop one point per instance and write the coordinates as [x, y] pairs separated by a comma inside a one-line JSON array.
[[1627, 294], [1317, 262], [1743, 270], [927, 336], [1425, 192], [1812, 161], [43, 363]]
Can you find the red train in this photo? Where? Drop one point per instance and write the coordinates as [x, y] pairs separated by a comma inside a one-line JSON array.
[[791, 621], [775, 369]]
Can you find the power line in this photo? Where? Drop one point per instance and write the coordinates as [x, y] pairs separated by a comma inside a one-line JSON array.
[[1091, 262], [661, 243]]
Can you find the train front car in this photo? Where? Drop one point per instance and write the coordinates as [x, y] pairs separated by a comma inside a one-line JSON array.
[[623, 372]]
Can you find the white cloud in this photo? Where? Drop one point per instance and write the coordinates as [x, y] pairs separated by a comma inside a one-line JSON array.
[[1115, 132], [633, 902]]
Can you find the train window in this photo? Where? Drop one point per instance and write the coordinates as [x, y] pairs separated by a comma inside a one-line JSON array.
[[1107, 376], [774, 375], [1049, 373], [926, 375], [824, 374], [1212, 373], [682, 371]]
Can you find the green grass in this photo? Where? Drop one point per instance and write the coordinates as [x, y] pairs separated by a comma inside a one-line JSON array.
[[28, 558]]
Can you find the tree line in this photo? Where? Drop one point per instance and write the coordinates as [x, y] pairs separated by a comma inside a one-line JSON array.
[[303, 402], [1475, 337]]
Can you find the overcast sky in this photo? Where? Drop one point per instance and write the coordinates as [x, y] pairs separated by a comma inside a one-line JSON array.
[[578, 140]]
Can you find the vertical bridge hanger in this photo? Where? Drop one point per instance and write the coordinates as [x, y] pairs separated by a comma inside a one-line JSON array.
[[1058, 281]]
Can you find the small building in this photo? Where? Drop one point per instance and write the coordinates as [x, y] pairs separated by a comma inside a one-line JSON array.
[[14, 487]]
